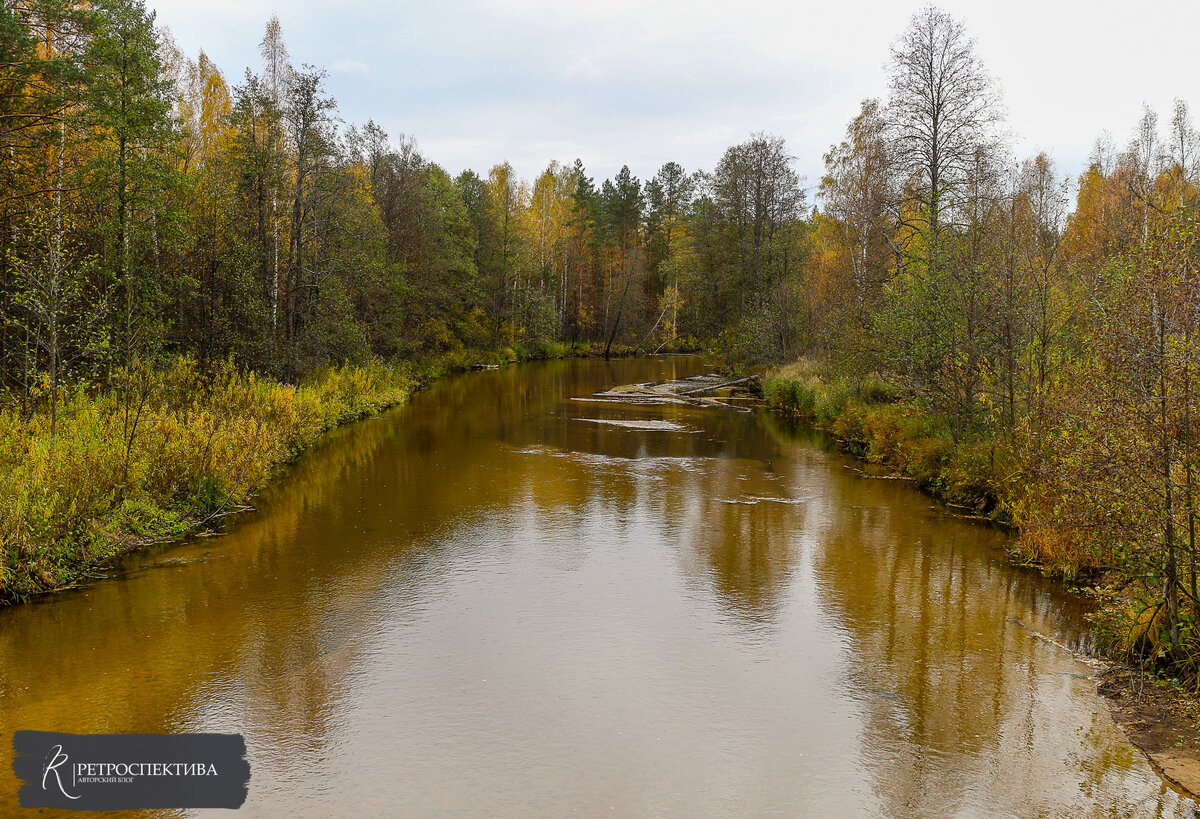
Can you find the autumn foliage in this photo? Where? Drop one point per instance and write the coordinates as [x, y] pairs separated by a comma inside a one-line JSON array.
[[1048, 352]]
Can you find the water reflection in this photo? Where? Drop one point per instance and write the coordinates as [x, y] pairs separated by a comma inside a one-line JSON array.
[[498, 600]]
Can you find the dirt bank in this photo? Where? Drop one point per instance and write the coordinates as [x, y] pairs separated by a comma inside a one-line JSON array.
[[1161, 719]]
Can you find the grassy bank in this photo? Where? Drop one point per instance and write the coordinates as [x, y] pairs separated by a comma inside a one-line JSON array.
[[158, 454], [161, 452], [880, 423]]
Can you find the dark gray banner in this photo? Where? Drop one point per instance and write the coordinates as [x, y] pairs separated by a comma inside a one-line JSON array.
[[123, 771]]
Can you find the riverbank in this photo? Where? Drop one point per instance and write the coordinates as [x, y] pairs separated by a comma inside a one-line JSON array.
[[160, 454], [166, 452], [1160, 718], [877, 422]]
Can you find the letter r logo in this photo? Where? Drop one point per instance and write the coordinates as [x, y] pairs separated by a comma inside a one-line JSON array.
[[57, 760]]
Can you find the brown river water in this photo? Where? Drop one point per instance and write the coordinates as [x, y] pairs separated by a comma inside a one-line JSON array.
[[494, 602]]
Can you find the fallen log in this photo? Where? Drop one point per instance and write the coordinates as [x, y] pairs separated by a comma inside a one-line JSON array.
[[864, 474], [712, 387]]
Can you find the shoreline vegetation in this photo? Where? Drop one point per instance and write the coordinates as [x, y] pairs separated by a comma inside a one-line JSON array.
[[878, 422], [1151, 696], [166, 451], [986, 476]]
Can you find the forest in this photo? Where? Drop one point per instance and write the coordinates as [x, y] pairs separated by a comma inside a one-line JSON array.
[[153, 207], [199, 275], [191, 262]]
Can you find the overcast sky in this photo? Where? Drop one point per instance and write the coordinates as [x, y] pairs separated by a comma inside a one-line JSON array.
[[643, 82]]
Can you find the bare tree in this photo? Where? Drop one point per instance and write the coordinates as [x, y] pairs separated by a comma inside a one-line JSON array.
[[1184, 150], [943, 108], [943, 118], [1146, 153]]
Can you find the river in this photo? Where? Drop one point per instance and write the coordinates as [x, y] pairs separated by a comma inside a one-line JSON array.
[[495, 601]]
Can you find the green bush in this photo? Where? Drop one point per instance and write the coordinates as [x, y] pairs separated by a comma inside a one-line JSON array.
[[790, 395]]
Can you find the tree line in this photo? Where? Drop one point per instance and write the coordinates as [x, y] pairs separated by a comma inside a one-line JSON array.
[[149, 206]]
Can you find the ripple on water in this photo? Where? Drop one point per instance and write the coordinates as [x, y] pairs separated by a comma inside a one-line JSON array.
[[649, 425]]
